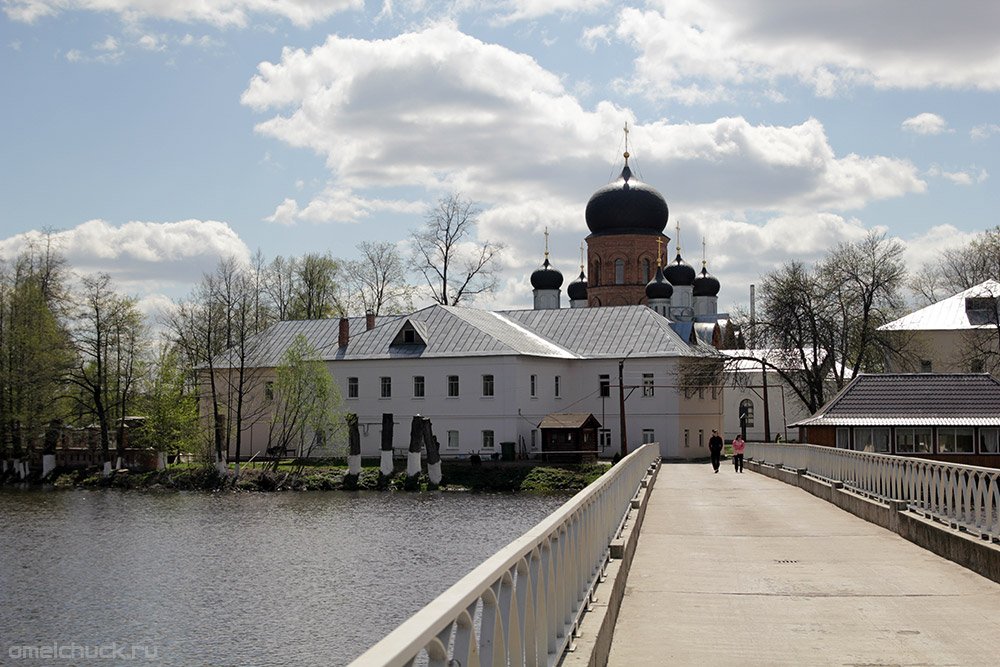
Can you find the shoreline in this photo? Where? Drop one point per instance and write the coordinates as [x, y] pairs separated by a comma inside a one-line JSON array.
[[492, 477]]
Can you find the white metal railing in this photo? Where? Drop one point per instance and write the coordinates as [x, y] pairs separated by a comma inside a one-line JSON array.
[[965, 496], [529, 596]]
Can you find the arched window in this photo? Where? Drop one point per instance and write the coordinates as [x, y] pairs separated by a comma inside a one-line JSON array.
[[746, 412], [595, 274], [619, 272], [646, 275]]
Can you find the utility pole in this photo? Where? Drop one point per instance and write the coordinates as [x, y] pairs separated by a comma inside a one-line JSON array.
[[767, 408], [621, 404]]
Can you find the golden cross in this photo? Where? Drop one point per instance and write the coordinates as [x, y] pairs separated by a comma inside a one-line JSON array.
[[546, 242], [581, 257], [678, 237], [626, 142], [659, 251]]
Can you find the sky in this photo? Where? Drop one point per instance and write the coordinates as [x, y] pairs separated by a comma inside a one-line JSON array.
[[155, 137]]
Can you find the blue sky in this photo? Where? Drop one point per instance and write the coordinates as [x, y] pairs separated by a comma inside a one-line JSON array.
[[160, 135]]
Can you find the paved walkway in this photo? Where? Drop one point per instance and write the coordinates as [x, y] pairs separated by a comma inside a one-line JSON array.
[[746, 570]]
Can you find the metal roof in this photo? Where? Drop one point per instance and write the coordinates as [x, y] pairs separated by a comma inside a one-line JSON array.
[[567, 420], [912, 399], [947, 314], [451, 331]]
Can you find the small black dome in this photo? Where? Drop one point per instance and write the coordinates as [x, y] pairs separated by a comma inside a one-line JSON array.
[[627, 206], [546, 277], [680, 272], [706, 284], [577, 290], [658, 287]]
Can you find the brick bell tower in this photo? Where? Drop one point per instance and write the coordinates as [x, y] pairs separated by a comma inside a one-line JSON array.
[[626, 219]]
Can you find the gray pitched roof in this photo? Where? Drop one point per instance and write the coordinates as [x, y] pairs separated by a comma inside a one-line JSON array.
[[913, 399], [451, 331]]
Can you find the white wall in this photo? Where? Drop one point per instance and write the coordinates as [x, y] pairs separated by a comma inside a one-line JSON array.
[[785, 407]]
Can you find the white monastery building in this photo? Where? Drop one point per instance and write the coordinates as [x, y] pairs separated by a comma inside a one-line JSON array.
[[485, 378]]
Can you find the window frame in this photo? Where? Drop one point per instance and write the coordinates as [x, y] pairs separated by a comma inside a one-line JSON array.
[[913, 432], [489, 439], [648, 386], [453, 436], [604, 385], [353, 388], [454, 386], [489, 385], [556, 389], [533, 386], [953, 431], [385, 386], [983, 430], [419, 386]]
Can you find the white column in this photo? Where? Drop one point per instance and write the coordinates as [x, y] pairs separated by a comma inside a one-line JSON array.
[[434, 472], [354, 464], [386, 463], [413, 464], [48, 464]]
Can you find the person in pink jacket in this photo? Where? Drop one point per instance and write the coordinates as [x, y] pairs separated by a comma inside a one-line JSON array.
[[738, 447]]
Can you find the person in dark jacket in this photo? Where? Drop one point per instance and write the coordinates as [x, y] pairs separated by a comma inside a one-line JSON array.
[[715, 449]]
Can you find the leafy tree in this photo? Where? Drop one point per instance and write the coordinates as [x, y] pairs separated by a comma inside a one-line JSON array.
[[454, 265], [170, 410], [314, 293], [109, 338], [306, 404]]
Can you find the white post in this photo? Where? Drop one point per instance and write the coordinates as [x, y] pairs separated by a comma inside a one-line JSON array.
[[48, 464], [107, 469], [119, 462], [413, 464], [354, 464], [161, 460], [386, 463], [434, 472]]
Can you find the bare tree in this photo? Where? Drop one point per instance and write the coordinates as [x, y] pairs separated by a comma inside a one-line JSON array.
[[314, 295], [377, 281], [454, 265], [958, 269], [280, 285]]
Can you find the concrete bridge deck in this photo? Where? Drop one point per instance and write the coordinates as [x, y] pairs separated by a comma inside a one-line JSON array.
[[737, 569]]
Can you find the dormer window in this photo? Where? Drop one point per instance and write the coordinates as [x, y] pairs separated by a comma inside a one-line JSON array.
[[410, 333]]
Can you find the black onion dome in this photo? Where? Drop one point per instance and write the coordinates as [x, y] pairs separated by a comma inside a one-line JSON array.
[[706, 284], [627, 206], [658, 287], [546, 277], [577, 290], [680, 272]]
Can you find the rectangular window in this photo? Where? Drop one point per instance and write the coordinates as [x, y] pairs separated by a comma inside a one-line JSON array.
[[701, 438], [534, 386], [534, 438], [452, 439], [926, 366], [843, 438], [605, 385], [556, 387], [913, 440], [386, 384], [418, 386], [604, 438], [989, 441], [956, 440], [687, 438], [487, 385], [648, 436], [352, 387], [452, 386], [269, 390], [647, 384], [487, 439], [871, 440]]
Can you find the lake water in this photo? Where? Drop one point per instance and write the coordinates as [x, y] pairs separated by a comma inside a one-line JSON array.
[[233, 579]]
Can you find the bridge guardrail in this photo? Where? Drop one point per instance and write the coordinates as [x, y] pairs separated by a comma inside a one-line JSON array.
[[962, 495], [530, 595]]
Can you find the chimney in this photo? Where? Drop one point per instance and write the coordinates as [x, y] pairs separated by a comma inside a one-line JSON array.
[[345, 332], [369, 320]]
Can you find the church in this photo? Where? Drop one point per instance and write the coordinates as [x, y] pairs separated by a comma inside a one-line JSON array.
[[634, 334]]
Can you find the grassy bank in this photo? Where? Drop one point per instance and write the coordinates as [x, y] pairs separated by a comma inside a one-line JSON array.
[[490, 477]]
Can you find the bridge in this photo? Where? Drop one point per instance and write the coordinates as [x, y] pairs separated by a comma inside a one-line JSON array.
[[801, 560]]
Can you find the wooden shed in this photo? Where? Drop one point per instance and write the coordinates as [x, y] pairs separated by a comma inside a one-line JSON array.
[[569, 437]]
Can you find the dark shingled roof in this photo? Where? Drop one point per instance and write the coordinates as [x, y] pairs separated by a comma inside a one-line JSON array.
[[568, 420], [959, 399]]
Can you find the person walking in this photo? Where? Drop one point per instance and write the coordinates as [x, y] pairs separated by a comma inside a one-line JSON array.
[[715, 449], [739, 446]]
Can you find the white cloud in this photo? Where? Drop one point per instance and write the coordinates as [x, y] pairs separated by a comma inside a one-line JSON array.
[[966, 177], [520, 10], [926, 123], [151, 42], [926, 248], [452, 96], [696, 51], [145, 256], [109, 44], [984, 131], [222, 13]]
